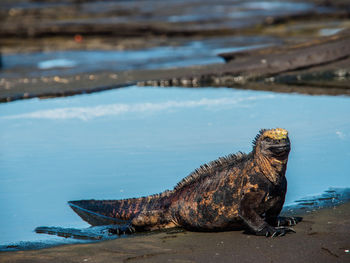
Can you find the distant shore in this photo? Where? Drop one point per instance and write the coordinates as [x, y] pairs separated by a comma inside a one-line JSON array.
[[314, 56], [319, 67]]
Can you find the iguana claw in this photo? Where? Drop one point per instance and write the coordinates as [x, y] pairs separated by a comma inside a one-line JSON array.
[[131, 229], [121, 229], [288, 221], [275, 231]]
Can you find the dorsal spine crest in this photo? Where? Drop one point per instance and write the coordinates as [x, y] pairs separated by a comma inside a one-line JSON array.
[[211, 168], [257, 137]]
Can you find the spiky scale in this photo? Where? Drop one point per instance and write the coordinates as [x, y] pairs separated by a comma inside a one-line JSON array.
[[231, 192]]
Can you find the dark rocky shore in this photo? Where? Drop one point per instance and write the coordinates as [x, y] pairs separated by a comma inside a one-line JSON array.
[[305, 62]]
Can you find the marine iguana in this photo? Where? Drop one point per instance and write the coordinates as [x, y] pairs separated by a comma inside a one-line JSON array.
[[239, 190]]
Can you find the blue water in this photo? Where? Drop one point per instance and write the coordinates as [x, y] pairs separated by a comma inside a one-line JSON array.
[[197, 52], [142, 140]]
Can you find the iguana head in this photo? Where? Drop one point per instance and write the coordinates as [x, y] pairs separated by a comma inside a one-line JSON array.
[[273, 143]]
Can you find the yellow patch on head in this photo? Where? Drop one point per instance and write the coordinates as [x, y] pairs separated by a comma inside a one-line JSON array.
[[276, 134]]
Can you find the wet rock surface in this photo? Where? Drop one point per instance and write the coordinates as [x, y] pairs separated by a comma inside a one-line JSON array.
[[266, 63], [135, 18], [317, 67], [323, 67]]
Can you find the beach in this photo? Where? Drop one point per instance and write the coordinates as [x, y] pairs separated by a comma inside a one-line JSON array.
[[322, 236]]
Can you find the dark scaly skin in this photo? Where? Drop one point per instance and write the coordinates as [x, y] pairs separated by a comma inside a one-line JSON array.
[[229, 193]]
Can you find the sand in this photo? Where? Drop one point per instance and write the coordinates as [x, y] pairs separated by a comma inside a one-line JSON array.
[[322, 236]]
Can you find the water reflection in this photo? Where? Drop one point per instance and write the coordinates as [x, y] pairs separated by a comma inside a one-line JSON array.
[[199, 52], [87, 113], [139, 141]]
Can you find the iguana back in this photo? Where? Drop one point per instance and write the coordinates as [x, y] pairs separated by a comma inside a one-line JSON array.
[[234, 191]]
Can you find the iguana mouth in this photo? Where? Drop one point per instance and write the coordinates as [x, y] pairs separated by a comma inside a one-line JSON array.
[[280, 145], [280, 149]]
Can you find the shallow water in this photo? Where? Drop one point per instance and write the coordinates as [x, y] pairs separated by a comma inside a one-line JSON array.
[[142, 140], [187, 53]]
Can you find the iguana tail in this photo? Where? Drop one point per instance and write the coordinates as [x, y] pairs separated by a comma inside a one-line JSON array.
[[148, 210]]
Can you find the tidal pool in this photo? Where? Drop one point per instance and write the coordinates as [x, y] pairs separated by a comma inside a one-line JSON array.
[[186, 53], [137, 141]]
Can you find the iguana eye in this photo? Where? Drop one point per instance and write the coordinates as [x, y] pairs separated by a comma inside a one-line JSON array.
[[268, 139]]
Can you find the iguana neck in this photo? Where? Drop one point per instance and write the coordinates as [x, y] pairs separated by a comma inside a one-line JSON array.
[[273, 169]]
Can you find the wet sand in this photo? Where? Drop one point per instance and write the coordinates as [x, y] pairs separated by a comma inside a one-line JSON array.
[[322, 236]]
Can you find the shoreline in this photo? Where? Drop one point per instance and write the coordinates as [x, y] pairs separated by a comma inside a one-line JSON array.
[[281, 68], [314, 67], [322, 236]]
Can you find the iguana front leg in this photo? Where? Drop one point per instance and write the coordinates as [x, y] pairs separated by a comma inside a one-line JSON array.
[[121, 229], [272, 217], [247, 211], [288, 220]]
